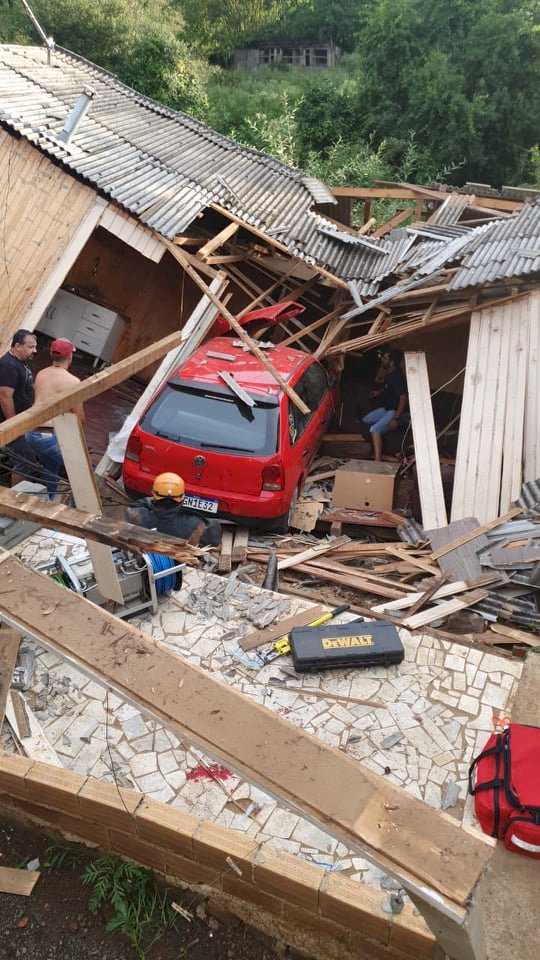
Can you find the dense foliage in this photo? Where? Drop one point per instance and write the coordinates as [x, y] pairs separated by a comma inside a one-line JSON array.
[[427, 89]]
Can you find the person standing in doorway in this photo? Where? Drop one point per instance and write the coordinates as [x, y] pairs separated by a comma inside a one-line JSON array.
[[393, 400], [49, 382], [16, 395]]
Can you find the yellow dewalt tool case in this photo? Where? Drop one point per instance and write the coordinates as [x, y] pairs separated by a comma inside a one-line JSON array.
[[356, 644]]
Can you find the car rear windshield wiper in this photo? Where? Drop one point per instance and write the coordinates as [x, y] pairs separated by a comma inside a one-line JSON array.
[[221, 446], [168, 436]]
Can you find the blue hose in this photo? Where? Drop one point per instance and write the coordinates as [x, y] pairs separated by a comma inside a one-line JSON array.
[[159, 563]]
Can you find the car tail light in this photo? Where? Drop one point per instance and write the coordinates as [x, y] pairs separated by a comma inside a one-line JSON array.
[[133, 450], [272, 477]]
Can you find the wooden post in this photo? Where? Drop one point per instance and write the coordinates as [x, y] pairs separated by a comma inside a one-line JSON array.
[[9, 648], [425, 442], [86, 495]]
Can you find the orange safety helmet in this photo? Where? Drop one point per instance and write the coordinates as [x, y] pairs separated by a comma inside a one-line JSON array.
[[168, 485]]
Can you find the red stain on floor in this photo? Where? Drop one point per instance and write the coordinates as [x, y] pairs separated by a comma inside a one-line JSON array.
[[212, 772]]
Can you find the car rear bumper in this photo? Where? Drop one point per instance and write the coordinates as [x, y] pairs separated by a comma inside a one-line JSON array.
[[268, 505]]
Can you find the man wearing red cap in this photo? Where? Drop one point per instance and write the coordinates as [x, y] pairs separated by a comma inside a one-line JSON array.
[[49, 382]]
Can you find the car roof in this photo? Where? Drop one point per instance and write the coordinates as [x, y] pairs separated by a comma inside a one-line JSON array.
[[246, 368]]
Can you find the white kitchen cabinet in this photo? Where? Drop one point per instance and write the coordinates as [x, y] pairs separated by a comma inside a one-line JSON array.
[[90, 327]]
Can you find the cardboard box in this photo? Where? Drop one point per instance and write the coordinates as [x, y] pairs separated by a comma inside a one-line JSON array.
[[365, 485]]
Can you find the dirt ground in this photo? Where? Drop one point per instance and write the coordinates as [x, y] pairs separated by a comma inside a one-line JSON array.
[[54, 922]]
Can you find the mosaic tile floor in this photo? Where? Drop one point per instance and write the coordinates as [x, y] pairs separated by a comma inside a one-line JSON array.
[[438, 710]]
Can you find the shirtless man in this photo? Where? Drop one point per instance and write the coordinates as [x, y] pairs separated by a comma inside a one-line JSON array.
[[49, 382]]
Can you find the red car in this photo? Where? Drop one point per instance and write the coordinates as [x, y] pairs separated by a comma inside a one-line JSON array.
[[243, 458]]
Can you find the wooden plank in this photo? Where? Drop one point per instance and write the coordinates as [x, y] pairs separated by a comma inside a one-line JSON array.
[[182, 259], [19, 882], [400, 217], [429, 594], [217, 241], [475, 532], [92, 387], [84, 489], [447, 590], [518, 318], [443, 610], [403, 554], [531, 469], [316, 551], [477, 480], [352, 580], [240, 545], [9, 648], [225, 555], [509, 634], [425, 442], [31, 737], [400, 833], [258, 638], [115, 533]]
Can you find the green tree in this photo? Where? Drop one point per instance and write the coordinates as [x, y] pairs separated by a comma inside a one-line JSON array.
[[462, 74]]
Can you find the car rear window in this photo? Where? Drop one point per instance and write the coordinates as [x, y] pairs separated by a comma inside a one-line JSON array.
[[205, 420]]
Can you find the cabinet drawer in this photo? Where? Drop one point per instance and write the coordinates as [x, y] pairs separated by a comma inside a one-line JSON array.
[[89, 342], [100, 316]]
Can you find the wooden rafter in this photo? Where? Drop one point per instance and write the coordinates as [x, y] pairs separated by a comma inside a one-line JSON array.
[[208, 248], [238, 329]]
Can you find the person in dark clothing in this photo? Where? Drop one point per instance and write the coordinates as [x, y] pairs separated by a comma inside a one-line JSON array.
[[16, 395], [393, 400], [163, 512]]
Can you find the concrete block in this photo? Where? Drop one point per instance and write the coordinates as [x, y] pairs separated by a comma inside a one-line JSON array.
[[355, 906], [310, 922], [411, 935], [34, 810], [213, 844], [110, 805], [94, 833], [13, 771], [189, 871], [251, 893], [134, 849], [293, 880], [166, 826], [54, 787]]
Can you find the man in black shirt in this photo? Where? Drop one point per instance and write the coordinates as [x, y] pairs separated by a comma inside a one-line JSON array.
[[16, 395], [393, 400]]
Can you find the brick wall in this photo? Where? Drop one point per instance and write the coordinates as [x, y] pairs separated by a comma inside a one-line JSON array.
[[325, 914]]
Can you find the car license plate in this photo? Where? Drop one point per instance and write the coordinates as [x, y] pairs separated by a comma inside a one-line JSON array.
[[200, 503]]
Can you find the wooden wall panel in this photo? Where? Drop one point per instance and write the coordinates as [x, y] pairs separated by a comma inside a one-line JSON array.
[[532, 402], [480, 445], [41, 208]]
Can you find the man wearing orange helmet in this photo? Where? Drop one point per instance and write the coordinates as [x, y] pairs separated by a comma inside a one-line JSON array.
[[163, 511]]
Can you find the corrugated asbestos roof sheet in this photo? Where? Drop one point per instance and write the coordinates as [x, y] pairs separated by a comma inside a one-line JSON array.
[[164, 166], [503, 249]]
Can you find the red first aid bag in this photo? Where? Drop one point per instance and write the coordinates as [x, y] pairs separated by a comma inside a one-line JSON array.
[[505, 782]]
